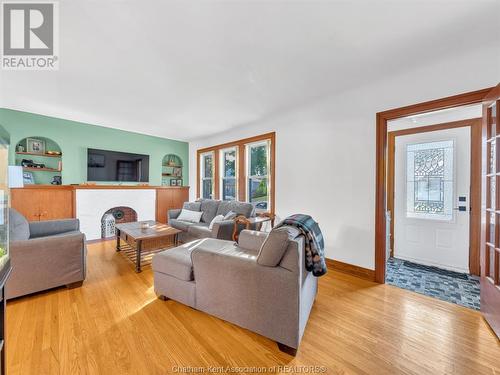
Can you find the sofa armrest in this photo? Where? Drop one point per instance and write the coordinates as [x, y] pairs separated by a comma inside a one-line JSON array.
[[174, 213], [52, 227], [223, 230], [251, 239]]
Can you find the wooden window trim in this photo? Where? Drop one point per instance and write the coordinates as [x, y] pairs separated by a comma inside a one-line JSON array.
[[241, 173]]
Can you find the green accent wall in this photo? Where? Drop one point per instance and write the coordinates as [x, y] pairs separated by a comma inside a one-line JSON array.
[[74, 138]]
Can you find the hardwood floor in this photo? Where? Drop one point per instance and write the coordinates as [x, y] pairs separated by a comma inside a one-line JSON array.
[[114, 324]]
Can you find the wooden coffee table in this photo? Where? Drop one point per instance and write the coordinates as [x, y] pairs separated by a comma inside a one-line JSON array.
[[141, 243]]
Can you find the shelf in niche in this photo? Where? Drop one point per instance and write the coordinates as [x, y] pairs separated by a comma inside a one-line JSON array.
[[42, 169], [42, 155]]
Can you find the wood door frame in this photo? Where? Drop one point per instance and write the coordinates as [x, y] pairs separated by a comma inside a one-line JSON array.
[[475, 126], [472, 97]]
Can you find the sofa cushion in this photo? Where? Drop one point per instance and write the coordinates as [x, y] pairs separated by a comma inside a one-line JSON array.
[[273, 248], [240, 208], [216, 219], [192, 206], [176, 262], [209, 208], [179, 224], [200, 230], [231, 215], [190, 216], [19, 228]]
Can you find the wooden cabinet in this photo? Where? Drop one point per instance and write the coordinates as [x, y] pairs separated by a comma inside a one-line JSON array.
[[169, 198], [44, 203]]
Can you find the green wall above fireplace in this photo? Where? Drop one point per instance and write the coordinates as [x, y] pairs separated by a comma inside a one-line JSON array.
[[75, 137]]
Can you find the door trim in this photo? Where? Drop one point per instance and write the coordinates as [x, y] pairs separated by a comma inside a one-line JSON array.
[[475, 181], [472, 97]]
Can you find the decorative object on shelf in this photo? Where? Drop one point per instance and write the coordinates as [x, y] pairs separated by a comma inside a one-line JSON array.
[[56, 180], [178, 182], [54, 153], [35, 146], [177, 171], [28, 178], [15, 176], [20, 148], [28, 163], [173, 182], [108, 226]]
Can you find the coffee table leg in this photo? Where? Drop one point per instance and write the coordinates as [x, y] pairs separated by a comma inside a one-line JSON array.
[[138, 253], [117, 240], [176, 239]]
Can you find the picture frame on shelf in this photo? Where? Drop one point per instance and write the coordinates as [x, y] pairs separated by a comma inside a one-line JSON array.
[[177, 171], [28, 178], [179, 182], [35, 146], [173, 182]]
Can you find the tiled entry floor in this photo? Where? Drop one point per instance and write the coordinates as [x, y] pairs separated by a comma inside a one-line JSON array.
[[454, 287]]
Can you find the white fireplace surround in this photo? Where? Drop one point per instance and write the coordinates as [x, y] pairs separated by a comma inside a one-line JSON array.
[[91, 204]]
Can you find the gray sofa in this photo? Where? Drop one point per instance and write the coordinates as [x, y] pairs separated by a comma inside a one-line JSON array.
[[222, 230], [44, 255], [228, 280]]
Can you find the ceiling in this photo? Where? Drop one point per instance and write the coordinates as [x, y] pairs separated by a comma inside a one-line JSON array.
[[189, 69]]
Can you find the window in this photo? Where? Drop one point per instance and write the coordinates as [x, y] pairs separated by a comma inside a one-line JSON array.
[[207, 174], [228, 168], [258, 175], [242, 170], [429, 176]]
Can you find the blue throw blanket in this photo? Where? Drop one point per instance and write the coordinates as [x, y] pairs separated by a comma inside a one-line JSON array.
[[313, 239]]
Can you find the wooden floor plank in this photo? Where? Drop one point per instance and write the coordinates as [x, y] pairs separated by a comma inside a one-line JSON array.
[[114, 324]]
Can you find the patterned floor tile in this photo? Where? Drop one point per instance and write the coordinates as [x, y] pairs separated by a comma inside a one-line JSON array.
[[454, 287]]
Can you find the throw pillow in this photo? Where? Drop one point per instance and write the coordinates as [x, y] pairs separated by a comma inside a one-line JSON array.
[[192, 206], [216, 219], [191, 216], [273, 248], [230, 215]]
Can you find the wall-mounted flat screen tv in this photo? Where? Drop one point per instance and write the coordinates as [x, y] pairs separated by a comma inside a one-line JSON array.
[[103, 165]]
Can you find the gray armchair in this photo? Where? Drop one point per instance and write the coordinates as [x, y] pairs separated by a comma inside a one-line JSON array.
[[44, 255]]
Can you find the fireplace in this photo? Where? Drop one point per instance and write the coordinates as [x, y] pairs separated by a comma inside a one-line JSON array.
[[116, 215]]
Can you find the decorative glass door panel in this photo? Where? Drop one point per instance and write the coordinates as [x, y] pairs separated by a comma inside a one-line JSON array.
[[490, 250]]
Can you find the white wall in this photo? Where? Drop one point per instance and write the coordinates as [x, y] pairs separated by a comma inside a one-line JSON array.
[[325, 150]]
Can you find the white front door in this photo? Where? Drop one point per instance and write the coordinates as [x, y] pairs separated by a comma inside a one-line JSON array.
[[432, 180]]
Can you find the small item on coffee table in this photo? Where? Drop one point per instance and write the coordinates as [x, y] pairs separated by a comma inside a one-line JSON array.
[[145, 225]]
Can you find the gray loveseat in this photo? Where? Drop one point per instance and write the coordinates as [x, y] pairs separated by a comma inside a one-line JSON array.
[[222, 230], [229, 281], [44, 255]]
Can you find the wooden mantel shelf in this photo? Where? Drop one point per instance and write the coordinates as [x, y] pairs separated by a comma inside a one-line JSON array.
[[74, 187]]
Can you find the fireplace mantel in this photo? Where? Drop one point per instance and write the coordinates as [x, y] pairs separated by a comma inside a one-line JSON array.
[[54, 202]]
